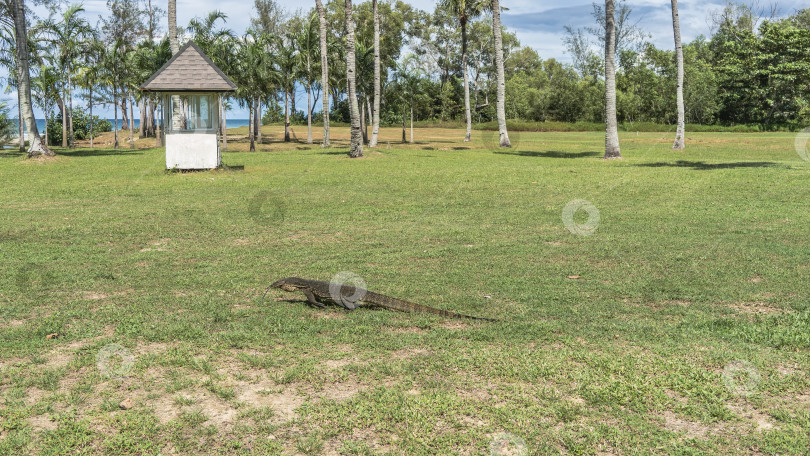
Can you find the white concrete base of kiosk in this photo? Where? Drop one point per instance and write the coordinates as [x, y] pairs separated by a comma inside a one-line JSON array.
[[192, 151]]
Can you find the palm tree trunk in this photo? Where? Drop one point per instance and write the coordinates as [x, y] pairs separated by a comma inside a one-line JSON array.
[[467, 110], [173, 44], [142, 113], [286, 116], [404, 115], [22, 123], [71, 137], [611, 126], [223, 125], [115, 108], [309, 110], [356, 149], [252, 127], [501, 91], [90, 104], [131, 122], [64, 122], [258, 120], [411, 122], [35, 144], [324, 72], [375, 116], [158, 121], [363, 125], [676, 27]]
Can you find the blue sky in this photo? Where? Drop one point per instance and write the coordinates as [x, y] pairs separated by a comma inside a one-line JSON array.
[[538, 24]]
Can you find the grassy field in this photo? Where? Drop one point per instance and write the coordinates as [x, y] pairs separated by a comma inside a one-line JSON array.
[[668, 316]]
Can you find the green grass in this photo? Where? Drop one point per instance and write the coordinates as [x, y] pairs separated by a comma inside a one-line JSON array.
[[700, 258]]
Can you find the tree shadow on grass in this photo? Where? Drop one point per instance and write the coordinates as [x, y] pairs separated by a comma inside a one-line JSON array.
[[699, 165], [551, 154], [99, 152]]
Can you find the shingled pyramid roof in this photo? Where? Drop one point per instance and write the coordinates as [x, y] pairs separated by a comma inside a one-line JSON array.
[[190, 70]]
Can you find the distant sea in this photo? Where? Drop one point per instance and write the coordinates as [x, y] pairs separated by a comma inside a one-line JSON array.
[[231, 123]]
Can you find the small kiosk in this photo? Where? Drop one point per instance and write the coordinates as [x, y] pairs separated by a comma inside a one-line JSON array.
[[191, 86]]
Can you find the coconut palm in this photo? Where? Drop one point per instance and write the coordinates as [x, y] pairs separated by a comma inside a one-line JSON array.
[[69, 37], [90, 75], [36, 146], [288, 64], [501, 78], [356, 149], [324, 71], [611, 127], [465, 10], [375, 117], [676, 27], [254, 74], [307, 42], [44, 89]]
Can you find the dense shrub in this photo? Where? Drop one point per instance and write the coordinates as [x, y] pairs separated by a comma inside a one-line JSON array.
[[81, 126]]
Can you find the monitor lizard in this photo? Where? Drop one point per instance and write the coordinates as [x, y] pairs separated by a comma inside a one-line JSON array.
[[350, 297]]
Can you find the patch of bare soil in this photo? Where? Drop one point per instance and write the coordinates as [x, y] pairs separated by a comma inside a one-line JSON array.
[[33, 395], [752, 416], [263, 394], [11, 324], [42, 423], [755, 308], [407, 353], [692, 429]]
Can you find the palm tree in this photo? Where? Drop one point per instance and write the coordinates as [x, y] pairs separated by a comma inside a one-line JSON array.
[[70, 36], [465, 10], [375, 120], [254, 74], [36, 146], [90, 75], [288, 65], [307, 53], [501, 78], [356, 149], [611, 127], [324, 72], [409, 78], [44, 90], [676, 27]]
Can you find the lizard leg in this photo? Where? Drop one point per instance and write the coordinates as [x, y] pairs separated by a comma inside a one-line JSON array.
[[311, 299]]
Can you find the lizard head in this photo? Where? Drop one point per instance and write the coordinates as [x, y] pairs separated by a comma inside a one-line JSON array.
[[289, 284]]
